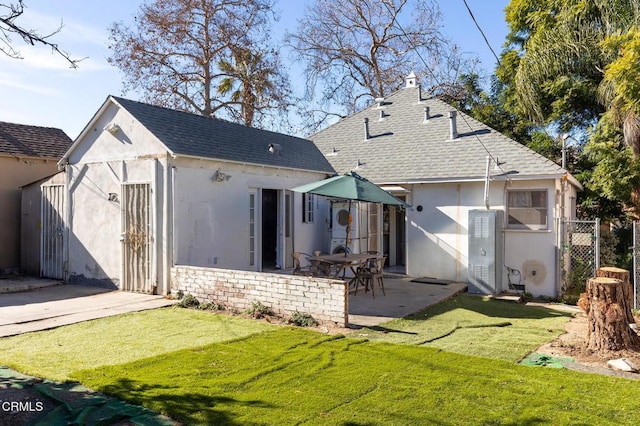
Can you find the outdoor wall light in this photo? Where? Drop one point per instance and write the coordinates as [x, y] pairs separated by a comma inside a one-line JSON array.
[[220, 176], [112, 128]]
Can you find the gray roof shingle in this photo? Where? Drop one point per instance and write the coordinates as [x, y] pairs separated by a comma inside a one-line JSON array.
[[195, 135], [33, 141], [405, 148]]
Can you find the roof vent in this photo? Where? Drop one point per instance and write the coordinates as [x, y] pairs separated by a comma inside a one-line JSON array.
[[275, 148], [426, 114], [453, 130], [419, 93], [380, 102], [411, 80], [382, 115], [366, 129]]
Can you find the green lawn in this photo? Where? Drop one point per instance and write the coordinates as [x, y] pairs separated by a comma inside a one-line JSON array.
[[113, 340], [475, 325], [204, 368], [293, 376]]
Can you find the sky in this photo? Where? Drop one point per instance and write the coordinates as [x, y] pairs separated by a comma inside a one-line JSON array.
[[42, 90]]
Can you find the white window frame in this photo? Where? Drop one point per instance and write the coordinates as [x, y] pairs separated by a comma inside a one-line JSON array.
[[527, 201], [308, 208]]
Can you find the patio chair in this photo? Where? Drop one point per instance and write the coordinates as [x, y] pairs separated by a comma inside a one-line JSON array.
[[298, 267], [373, 274]]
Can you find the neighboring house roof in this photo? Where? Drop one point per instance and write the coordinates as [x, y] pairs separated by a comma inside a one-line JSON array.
[[32, 141], [404, 148], [196, 135]]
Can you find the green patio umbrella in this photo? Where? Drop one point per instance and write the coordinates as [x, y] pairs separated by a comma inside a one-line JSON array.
[[352, 187]]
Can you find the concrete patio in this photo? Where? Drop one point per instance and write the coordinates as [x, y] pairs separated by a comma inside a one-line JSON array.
[[402, 297]]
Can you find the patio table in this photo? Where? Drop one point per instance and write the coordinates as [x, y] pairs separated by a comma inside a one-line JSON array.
[[356, 262]]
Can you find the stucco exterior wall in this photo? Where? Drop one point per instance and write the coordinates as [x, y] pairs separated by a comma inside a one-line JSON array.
[[211, 222], [15, 173], [95, 247], [325, 300], [437, 236]]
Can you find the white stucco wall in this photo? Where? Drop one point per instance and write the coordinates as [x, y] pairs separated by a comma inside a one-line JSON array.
[[211, 223], [99, 165], [437, 236]]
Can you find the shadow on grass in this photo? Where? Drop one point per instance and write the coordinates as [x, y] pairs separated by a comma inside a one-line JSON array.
[[488, 307], [188, 408]]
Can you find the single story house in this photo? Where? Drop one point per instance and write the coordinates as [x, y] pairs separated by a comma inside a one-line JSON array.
[[147, 188], [485, 208], [27, 153]]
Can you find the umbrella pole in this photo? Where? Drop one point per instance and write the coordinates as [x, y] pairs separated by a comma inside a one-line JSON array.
[[348, 239]]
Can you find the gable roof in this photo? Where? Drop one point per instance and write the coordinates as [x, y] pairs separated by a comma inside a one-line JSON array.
[[404, 148], [32, 141], [196, 135]]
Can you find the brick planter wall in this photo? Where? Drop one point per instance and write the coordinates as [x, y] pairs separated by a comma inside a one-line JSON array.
[[323, 299]]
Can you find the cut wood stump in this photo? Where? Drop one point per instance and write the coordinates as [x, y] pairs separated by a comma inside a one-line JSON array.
[[608, 324], [627, 288]]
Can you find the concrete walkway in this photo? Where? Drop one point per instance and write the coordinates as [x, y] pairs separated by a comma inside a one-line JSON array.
[[58, 305]]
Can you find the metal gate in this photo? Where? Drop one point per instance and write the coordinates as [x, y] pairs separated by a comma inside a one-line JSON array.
[[52, 232], [580, 253], [137, 237]]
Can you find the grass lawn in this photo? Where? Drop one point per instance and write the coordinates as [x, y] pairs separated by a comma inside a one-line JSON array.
[[292, 376], [202, 368], [475, 325], [113, 340]]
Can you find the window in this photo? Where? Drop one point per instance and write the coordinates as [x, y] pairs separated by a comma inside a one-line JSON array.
[[308, 208], [527, 209]]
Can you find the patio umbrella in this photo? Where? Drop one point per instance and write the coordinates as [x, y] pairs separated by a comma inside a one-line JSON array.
[[352, 187]]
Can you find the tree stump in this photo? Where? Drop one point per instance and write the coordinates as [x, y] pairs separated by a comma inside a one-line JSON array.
[[622, 275], [607, 317]]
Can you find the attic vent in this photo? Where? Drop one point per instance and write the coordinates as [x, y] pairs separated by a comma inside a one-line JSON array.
[[366, 129], [426, 114], [453, 130], [411, 80]]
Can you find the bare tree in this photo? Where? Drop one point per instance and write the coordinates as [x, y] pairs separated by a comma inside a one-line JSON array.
[[9, 14], [188, 55], [356, 50]]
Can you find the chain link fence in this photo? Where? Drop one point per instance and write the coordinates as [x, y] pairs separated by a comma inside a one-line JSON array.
[[636, 263], [579, 254]]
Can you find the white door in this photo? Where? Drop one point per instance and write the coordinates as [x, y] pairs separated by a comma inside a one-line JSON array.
[[288, 229], [52, 232]]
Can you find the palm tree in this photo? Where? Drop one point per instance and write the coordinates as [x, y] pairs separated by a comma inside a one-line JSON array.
[[248, 79]]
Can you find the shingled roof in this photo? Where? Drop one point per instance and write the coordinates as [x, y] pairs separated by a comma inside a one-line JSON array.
[[32, 141], [195, 135], [403, 147]]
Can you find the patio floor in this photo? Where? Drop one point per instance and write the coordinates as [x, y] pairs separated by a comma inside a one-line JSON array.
[[402, 297]]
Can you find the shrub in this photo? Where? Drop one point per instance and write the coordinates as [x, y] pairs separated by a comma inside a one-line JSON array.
[[212, 306], [302, 320], [188, 301], [258, 310]]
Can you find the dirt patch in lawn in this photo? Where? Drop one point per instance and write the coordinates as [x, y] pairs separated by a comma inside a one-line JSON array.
[[573, 344]]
